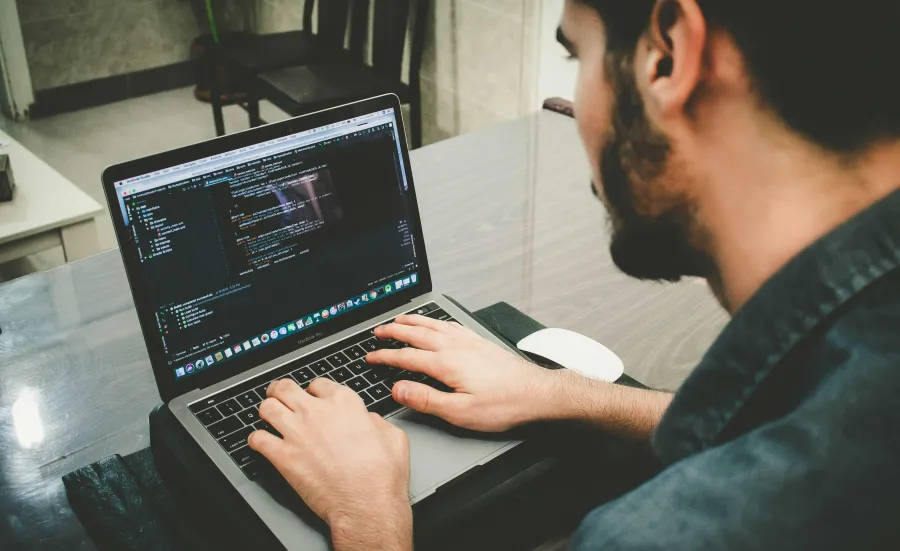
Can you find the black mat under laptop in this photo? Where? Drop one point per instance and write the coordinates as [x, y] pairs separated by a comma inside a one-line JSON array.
[[170, 496]]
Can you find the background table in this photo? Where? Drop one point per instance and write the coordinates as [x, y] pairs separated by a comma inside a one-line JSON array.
[[47, 210], [508, 215]]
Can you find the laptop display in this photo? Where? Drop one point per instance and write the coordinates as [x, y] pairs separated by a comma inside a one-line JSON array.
[[232, 254]]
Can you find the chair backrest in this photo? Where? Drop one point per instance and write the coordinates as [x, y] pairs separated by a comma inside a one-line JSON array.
[[390, 20], [389, 31], [332, 20]]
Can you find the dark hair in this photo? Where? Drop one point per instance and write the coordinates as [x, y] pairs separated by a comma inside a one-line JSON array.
[[828, 68]]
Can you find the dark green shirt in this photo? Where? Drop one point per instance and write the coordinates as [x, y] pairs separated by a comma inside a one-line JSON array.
[[787, 435]]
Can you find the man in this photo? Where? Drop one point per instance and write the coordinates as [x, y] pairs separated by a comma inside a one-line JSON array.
[[755, 143]]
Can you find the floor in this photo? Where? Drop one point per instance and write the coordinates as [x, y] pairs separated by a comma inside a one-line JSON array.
[[81, 144]]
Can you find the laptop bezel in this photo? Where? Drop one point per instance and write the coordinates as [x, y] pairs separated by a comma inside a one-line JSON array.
[[168, 385]]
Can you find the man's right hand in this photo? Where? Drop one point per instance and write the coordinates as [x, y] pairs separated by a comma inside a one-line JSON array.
[[495, 389]]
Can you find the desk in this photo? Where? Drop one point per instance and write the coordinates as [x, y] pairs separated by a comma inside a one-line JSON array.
[[47, 210], [508, 216]]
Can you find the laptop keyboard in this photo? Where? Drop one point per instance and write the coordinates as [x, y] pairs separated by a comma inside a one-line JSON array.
[[231, 415]]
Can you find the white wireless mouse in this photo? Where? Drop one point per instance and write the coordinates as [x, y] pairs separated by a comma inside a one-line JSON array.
[[576, 352]]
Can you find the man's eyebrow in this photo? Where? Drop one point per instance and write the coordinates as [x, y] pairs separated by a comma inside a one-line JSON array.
[[564, 40]]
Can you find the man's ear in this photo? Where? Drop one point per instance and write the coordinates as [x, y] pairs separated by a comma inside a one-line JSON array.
[[673, 61]]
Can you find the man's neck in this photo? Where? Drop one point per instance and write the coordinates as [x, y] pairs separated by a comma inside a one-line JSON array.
[[781, 197]]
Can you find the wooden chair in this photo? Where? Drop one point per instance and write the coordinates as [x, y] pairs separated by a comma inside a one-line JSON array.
[[251, 54], [341, 76]]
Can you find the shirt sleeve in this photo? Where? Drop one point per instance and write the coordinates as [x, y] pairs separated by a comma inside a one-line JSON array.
[[823, 477]]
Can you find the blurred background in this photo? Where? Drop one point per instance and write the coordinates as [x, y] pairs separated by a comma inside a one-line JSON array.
[[89, 83]]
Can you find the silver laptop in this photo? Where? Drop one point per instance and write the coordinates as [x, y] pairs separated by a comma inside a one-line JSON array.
[[273, 253]]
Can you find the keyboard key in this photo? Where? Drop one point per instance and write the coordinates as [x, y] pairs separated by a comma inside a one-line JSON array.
[[384, 407], [337, 360], [248, 399], [452, 320], [341, 374], [261, 390], [236, 439], [209, 416], [359, 367], [245, 455], [262, 425], [377, 374], [439, 314], [207, 402], [394, 374], [304, 375], [369, 345], [355, 353], [225, 426], [366, 398], [422, 310], [229, 407], [249, 416], [256, 469], [320, 367], [381, 344], [357, 384], [435, 384], [379, 391], [408, 376]]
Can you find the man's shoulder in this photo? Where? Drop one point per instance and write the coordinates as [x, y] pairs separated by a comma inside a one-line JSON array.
[[861, 344]]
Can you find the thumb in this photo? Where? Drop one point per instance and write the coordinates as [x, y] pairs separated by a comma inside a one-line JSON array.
[[424, 398]]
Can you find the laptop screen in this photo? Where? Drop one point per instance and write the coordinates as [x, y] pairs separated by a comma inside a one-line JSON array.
[[240, 250]]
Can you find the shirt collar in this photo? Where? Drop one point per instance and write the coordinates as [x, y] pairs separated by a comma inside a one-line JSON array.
[[776, 318]]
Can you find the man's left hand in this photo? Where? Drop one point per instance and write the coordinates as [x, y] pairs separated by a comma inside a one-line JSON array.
[[351, 467]]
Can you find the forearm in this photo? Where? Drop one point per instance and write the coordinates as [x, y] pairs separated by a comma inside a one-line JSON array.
[[631, 412], [388, 530]]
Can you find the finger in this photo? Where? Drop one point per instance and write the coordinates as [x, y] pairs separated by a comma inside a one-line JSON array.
[[422, 321], [426, 399], [323, 387], [410, 359], [272, 411], [266, 443], [288, 393], [420, 337]]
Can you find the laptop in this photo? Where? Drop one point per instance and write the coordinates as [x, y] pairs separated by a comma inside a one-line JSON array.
[[273, 253]]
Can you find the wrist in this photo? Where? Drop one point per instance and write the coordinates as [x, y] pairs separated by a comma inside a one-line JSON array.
[[383, 528], [632, 412], [549, 396], [560, 391]]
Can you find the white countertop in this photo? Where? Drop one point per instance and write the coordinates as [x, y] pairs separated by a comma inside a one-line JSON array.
[[43, 199]]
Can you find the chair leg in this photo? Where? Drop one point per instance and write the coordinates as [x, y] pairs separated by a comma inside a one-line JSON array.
[[415, 113], [217, 116], [253, 111], [215, 96]]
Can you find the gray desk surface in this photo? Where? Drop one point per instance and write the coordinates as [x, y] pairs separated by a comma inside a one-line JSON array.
[[508, 216]]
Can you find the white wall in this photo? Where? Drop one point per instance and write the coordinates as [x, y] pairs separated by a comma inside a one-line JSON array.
[[16, 95], [556, 73]]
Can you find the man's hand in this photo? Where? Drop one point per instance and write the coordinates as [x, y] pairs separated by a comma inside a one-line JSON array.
[[495, 389], [351, 467]]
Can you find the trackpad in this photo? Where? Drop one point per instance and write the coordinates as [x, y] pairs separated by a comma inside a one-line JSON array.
[[439, 451]]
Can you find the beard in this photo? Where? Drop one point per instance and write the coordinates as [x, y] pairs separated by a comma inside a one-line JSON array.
[[653, 236]]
